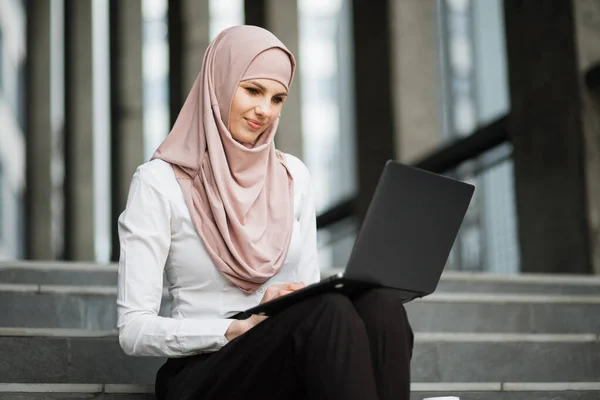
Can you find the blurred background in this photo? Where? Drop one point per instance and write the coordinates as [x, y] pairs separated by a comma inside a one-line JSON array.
[[503, 94]]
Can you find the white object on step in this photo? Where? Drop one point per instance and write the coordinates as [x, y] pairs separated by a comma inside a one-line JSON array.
[[442, 398]]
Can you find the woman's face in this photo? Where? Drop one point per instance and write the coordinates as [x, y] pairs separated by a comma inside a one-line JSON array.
[[255, 106]]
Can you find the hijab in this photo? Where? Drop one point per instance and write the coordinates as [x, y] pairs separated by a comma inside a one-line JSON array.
[[240, 199]]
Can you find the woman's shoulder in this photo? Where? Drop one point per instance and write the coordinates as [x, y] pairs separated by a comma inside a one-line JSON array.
[[157, 173], [296, 167]]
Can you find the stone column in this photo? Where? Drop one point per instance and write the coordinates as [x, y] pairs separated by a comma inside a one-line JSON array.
[[551, 119], [587, 23], [281, 18], [127, 100], [79, 140], [189, 36], [374, 94], [416, 78], [38, 193], [255, 13]]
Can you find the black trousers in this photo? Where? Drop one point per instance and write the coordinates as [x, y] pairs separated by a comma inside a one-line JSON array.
[[326, 347]]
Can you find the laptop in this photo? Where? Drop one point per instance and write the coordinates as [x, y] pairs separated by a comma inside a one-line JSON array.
[[404, 241]]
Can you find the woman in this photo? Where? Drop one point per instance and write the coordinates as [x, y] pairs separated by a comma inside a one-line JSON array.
[[230, 221]]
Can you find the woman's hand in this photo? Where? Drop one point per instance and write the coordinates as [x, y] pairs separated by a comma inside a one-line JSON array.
[[280, 289], [238, 328]]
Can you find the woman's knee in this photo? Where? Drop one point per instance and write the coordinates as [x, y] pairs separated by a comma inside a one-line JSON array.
[[335, 307], [335, 303], [382, 304], [333, 320]]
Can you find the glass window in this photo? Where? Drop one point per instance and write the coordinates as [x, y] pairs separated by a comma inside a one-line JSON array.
[[325, 65], [1, 61], [156, 74], [224, 14], [20, 97], [474, 72], [2, 211]]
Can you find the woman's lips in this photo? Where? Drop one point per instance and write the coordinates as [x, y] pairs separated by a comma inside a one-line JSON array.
[[253, 124]]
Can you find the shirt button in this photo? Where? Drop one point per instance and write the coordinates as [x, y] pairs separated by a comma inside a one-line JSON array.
[[261, 290]]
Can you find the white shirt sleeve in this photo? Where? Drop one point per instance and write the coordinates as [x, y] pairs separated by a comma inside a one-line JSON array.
[[145, 236], [308, 269]]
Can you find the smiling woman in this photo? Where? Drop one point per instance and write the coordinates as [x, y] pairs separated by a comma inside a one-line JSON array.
[[230, 221], [260, 94], [256, 105]]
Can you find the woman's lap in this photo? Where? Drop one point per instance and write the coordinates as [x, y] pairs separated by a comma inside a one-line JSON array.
[[263, 360]]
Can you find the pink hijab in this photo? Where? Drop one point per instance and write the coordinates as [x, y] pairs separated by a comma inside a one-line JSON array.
[[240, 200]]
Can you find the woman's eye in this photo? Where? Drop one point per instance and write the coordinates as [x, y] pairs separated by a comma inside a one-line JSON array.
[[277, 100], [252, 91]]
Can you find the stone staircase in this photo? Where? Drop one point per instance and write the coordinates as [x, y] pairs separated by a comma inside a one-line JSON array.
[[479, 337]]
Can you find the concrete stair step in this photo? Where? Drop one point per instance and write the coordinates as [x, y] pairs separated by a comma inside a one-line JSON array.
[[85, 307], [71, 356], [505, 313], [521, 283], [65, 273], [466, 391], [64, 391], [53, 306], [58, 273], [509, 390]]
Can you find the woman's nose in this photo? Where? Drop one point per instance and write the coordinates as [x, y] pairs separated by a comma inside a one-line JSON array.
[[264, 109]]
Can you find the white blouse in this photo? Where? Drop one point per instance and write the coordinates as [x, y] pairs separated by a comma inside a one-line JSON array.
[[157, 236]]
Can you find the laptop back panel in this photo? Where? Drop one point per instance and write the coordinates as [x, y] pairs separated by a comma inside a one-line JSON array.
[[409, 229]]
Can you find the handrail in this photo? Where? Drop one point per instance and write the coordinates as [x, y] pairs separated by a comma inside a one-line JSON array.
[[342, 210], [458, 151], [447, 157]]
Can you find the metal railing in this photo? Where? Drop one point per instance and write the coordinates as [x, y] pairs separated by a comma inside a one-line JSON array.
[[448, 157], [453, 154]]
